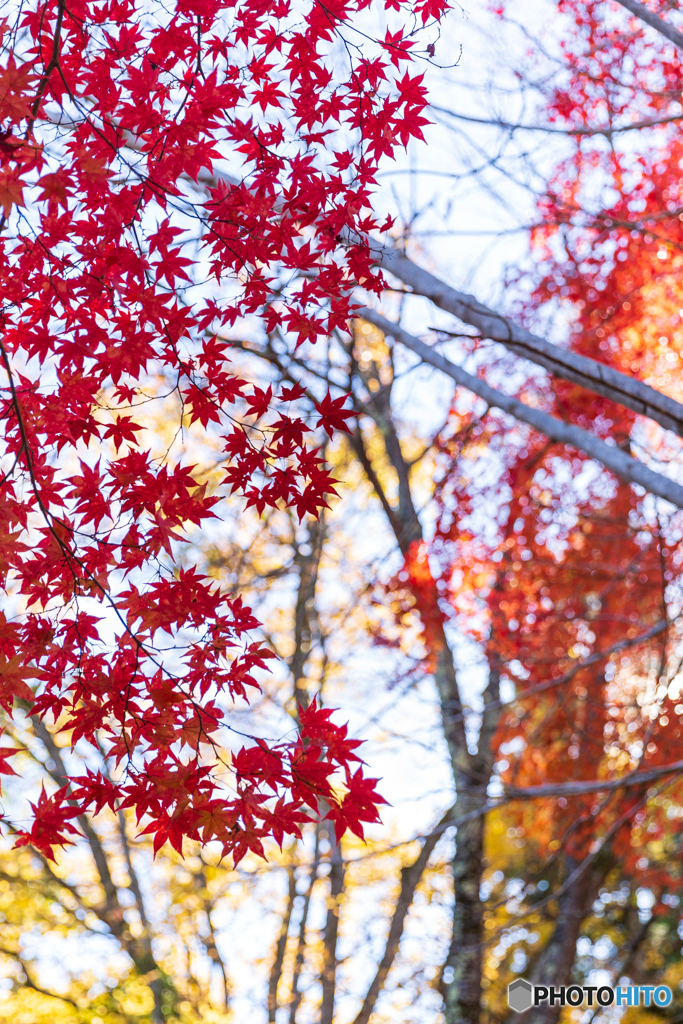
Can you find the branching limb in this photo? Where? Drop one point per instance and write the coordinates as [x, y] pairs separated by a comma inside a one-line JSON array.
[[410, 879], [654, 21], [564, 363], [29, 983], [613, 458]]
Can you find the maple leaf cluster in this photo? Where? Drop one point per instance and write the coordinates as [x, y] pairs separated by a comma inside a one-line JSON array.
[[276, 787], [166, 172]]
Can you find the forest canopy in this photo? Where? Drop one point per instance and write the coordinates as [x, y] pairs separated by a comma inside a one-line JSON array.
[[341, 499]]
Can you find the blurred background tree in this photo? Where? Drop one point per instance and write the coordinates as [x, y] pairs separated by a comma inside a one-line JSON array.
[[496, 615]]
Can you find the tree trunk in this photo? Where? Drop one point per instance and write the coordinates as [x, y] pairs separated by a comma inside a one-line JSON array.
[[301, 940], [276, 969], [554, 966], [329, 972], [471, 771]]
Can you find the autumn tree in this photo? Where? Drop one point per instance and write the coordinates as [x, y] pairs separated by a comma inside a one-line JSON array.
[[566, 580], [190, 175], [119, 125]]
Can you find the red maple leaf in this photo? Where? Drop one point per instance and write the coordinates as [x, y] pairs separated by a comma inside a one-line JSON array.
[[333, 416]]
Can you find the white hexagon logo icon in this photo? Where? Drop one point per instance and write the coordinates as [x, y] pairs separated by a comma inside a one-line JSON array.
[[520, 995]]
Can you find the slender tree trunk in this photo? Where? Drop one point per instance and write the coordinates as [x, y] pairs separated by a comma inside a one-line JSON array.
[[276, 969], [210, 942], [304, 618], [554, 966], [301, 941], [410, 879], [329, 972], [304, 612]]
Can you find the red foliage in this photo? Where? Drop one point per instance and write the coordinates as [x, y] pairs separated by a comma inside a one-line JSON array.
[[569, 580], [117, 213], [414, 587], [615, 261], [589, 587]]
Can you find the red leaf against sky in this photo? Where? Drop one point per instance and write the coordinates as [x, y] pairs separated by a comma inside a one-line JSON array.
[[125, 210]]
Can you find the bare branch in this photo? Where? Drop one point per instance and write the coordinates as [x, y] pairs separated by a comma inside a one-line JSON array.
[[410, 878], [654, 21], [594, 376], [636, 778], [652, 122], [32, 984], [592, 659], [613, 458]]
